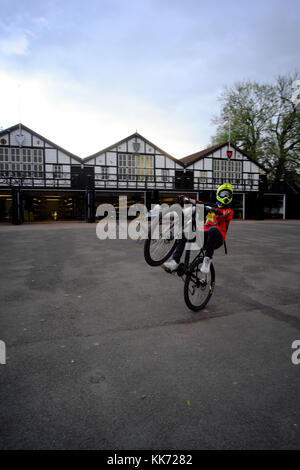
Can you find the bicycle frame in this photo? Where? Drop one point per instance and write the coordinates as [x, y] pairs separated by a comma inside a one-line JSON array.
[[183, 268]]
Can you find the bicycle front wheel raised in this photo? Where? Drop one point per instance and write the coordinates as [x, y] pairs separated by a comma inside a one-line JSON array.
[[198, 287], [161, 240]]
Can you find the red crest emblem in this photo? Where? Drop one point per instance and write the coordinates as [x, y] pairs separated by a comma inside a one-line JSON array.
[[229, 153]]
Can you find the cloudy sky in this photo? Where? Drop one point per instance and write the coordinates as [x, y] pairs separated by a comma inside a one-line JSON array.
[[86, 74]]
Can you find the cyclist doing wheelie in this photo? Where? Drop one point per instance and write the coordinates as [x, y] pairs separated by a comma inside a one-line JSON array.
[[215, 229]]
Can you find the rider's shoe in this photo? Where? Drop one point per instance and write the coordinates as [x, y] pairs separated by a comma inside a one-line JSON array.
[[205, 268], [170, 266]]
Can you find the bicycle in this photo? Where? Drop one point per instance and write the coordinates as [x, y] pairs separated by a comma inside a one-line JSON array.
[[198, 287]]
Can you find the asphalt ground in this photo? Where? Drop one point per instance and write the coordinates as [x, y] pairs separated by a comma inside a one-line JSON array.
[[102, 352]]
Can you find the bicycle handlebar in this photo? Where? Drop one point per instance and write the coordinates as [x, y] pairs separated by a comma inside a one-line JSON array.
[[186, 200]]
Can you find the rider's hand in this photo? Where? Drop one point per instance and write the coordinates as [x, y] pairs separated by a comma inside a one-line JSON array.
[[182, 199]]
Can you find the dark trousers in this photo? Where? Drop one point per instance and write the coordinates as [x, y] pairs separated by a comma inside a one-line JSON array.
[[212, 240]]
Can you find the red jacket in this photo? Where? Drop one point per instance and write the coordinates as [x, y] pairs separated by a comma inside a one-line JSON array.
[[221, 220]]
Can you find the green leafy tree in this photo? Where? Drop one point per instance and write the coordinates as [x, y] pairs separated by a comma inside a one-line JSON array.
[[245, 106], [264, 123], [282, 141]]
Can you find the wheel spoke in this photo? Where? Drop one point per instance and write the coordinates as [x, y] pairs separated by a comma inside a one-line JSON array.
[[159, 248]]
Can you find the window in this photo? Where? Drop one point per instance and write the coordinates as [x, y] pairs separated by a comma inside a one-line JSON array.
[[140, 161], [202, 178], [127, 167], [3, 154], [24, 162], [250, 178], [165, 174], [57, 172], [104, 173], [134, 167], [3, 169], [227, 170]]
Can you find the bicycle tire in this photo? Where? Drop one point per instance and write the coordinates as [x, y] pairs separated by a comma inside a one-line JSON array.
[[168, 245], [191, 282]]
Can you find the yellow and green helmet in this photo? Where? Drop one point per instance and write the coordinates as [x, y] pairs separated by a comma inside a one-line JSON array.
[[225, 193]]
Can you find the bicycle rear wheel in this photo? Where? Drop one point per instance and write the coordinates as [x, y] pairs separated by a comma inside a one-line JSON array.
[[157, 250], [198, 287]]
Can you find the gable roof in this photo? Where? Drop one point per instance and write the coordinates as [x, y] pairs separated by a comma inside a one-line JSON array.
[[136, 134], [16, 127], [204, 153]]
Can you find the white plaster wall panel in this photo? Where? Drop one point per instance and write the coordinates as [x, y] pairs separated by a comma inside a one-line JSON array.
[[27, 140], [149, 148], [222, 153], [63, 158], [37, 142], [100, 160], [178, 166], [122, 147], [199, 165], [66, 168], [112, 171], [158, 172], [217, 154], [98, 169], [130, 145], [207, 163], [142, 143], [111, 158], [188, 167], [254, 168], [48, 168], [50, 156], [169, 163], [74, 162], [247, 166], [159, 161]]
